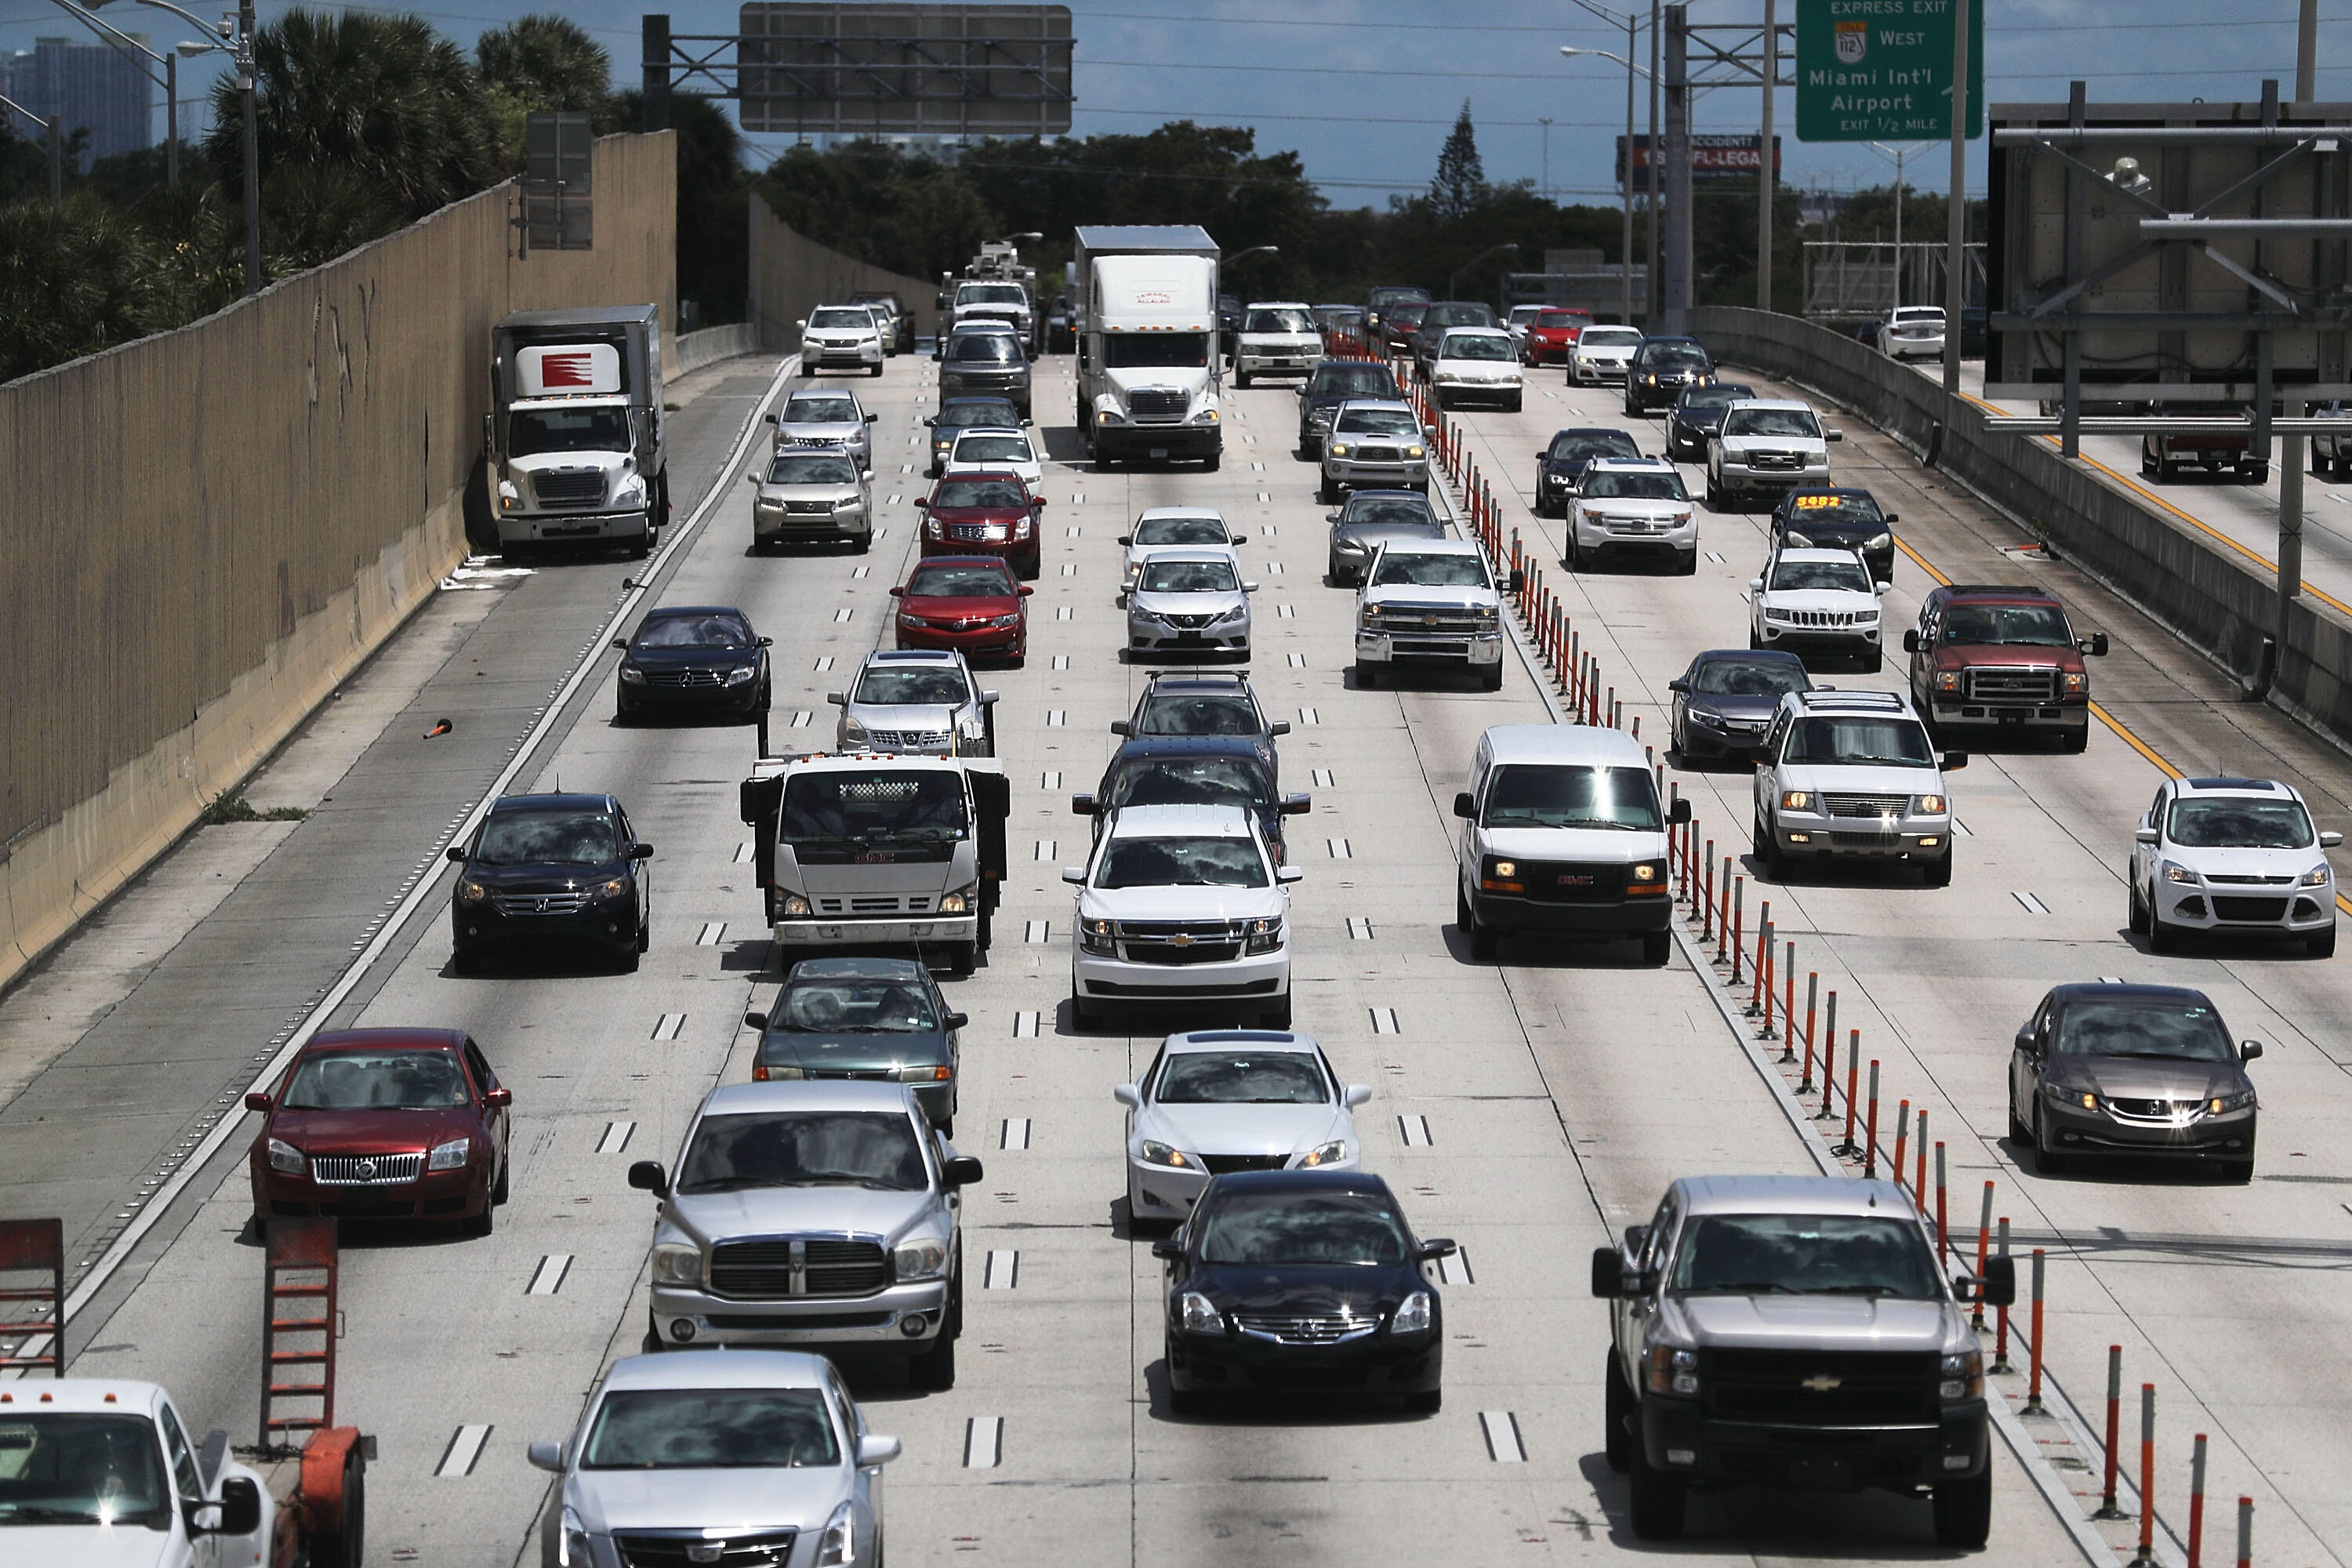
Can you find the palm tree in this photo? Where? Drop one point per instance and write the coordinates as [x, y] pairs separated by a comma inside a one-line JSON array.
[[546, 62], [73, 279]]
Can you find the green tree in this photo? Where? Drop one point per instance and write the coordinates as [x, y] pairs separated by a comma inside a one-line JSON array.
[[714, 240], [73, 279], [544, 62], [1461, 182]]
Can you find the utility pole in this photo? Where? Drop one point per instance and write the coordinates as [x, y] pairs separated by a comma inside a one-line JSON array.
[[1677, 290], [1545, 121], [2290, 516], [1764, 181], [247, 86], [1652, 279], [1956, 224]]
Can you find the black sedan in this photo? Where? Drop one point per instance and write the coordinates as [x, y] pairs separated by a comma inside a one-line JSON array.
[[1292, 1281], [1839, 520], [555, 872], [1561, 468], [863, 1018], [1371, 518], [1725, 701], [1661, 369], [2146, 1070], [693, 658], [1696, 415]]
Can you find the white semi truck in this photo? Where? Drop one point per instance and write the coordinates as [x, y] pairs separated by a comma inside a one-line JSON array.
[[1148, 380], [574, 440]]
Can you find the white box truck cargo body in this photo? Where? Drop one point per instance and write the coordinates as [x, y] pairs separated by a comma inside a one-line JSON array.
[[574, 437], [1149, 387]]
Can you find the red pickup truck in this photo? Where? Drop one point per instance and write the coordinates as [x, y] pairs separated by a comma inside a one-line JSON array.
[[2163, 456], [2002, 656]]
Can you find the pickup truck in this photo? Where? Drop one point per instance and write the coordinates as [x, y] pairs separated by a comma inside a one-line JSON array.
[[1796, 1333], [2163, 456], [1430, 601], [2002, 656]]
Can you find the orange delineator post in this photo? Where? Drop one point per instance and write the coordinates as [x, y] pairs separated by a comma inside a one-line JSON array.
[[2197, 1501], [1761, 986], [1829, 1061], [1920, 1186], [1706, 906], [1812, 994], [298, 1323], [2034, 1347], [29, 1311], [1984, 1250]]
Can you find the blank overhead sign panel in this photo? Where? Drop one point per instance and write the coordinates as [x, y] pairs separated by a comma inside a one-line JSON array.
[[895, 71]]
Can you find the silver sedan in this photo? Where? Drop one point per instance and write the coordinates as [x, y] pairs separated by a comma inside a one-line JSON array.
[[1232, 1100], [1188, 600]]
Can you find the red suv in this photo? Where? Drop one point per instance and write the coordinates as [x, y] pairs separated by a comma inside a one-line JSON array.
[[385, 1124], [1551, 334], [967, 603], [2003, 656], [984, 514]]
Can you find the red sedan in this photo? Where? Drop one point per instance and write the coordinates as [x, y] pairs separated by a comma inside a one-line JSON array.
[[385, 1124], [1552, 334], [984, 514], [967, 603]]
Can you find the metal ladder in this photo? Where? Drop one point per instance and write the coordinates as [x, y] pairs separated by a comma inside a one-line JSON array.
[[30, 1314], [300, 1324]]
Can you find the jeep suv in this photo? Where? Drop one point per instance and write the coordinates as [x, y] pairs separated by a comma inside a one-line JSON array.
[[2003, 657], [1795, 1332], [1853, 775]]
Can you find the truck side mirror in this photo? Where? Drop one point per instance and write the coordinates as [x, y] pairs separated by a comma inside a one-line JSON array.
[[1680, 814], [1833, 434], [1608, 1273], [489, 435], [1911, 640], [1081, 805], [1286, 875], [1297, 805], [1121, 727], [240, 1509], [1954, 761], [770, 419], [1074, 874], [1464, 806], [646, 1176], [1514, 582], [458, 853], [1125, 539], [2095, 645], [961, 1171], [1999, 1283], [837, 698]]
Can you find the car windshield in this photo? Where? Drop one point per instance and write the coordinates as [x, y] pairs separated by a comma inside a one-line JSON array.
[[828, 410], [1273, 1230], [1378, 422], [856, 1004], [1477, 346], [1181, 862], [873, 1148], [1601, 484], [2028, 626], [2239, 824], [1818, 576], [1806, 1255], [710, 1429], [1387, 510], [985, 348], [67, 1468], [376, 1080], [1001, 494], [2143, 1026], [1571, 445], [1188, 577], [1857, 739], [1235, 715], [993, 449], [1180, 531], [1738, 678], [1188, 781], [837, 320], [1382, 298], [991, 294], [1798, 422], [964, 416], [1717, 396], [901, 684], [695, 631], [1608, 337], [1156, 350], [880, 807], [1242, 1078], [1457, 316], [1362, 379], [1832, 510], [554, 838], [530, 432], [1559, 795], [1278, 321], [961, 580], [802, 470], [1424, 570], [1675, 356], [1557, 319]]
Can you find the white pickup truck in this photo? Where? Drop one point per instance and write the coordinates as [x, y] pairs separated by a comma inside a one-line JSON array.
[[1430, 601]]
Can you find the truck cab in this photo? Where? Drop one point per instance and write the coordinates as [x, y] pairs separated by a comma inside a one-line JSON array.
[[2002, 656], [1147, 380], [574, 440]]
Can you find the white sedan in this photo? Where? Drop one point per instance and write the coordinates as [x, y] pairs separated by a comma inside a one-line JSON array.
[[1232, 1100], [1602, 353], [1914, 330], [996, 449]]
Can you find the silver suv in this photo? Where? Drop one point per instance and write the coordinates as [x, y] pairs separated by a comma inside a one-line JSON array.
[[921, 701], [1796, 1333], [1374, 445], [826, 416], [812, 1214], [812, 492], [1852, 775]]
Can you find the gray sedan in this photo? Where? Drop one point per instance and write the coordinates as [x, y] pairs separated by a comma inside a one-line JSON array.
[[1188, 600]]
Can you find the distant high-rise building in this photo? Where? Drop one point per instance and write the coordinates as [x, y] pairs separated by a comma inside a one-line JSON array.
[[90, 87]]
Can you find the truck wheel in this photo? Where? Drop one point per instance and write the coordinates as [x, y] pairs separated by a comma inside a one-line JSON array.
[[1216, 460], [2259, 474], [1492, 680], [1658, 1499], [1964, 1513], [1240, 379], [1368, 677], [1618, 1416], [963, 957], [934, 1369], [2078, 740], [1484, 941], [1327, 493], [347, 1547], [1658, 947], [1277, 1016], [642, 546]]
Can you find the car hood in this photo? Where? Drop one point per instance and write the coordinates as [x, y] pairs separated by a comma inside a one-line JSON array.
[[1731, 705], [839, 495], [1364, 1291], [795, 1498], [1604, 845], [690, 657], [851, 1052], [88, 1546], [1863, 778], [1959, 655], [1405, 596], [1370, 535], [1831, 601], [1187, 604], [2148, 1078], [1699, 418], [1605, 350], [845, 431], [904, 716], [1242, 1129], [948, 606], [1635, 506], [1179, 903], [1573, 468], [542, 879], [1004, 514], [2242, 862], [1774, 443], [369, 1131], [780, 1211], [1806, 1322], [1832, 535]]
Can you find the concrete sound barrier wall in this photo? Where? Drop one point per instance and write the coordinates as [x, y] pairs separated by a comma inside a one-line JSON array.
[[215, 526], [792, 274]]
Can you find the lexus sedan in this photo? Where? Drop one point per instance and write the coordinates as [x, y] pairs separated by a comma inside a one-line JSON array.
[[1232, 1100], [863, 1018], [693, 658], [967, 603], [551, 871], [984, 514], [2146, 1070]]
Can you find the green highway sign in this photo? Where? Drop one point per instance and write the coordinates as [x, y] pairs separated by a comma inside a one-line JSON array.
[[1881, 70]]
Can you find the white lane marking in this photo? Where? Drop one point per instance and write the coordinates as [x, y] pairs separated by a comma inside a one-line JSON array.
[[1025, 1026], [1415, 1130], [1284, 611], [1078, 498], [824, 664], [1015, 1134], [1054, 717], [1061, 661], [909, 467], [1384, 1020], [1275, 567], [2033, 906], [671, 1023], [1044, 849], [1502, 1429], [1711, 555], [465, 1448], [1004, 1272], [1262, 496], [744, 854], [1258, 468], [1960, 829], [1071, 532], [1270, 530], [548, 1278], [1298, 661], [868, 571], [983, 1442], [1037, 933], [1322, 777], [1063, 613], [1358, 929], [1337, 849], [894, 498], [1455, 1271], [843, 613], [616, 1137], [1052, 780], [2111, 980], [800, 717], [1309, 716], [1070, 568], [713, 933]]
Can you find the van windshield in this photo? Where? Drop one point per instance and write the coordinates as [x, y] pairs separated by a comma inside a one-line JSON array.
[[1559, 795]]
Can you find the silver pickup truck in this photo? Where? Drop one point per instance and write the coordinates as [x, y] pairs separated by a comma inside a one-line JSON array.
[[1795, 1332], [1430, 601]]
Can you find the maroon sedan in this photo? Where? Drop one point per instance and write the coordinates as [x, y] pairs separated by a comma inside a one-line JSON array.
[[967, 603], [984, 514], [385, 1124]]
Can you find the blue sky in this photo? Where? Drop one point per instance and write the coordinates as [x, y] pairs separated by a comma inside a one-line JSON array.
[[1365, 90]]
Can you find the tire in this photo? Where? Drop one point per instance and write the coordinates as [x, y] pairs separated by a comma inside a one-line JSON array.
[[1368, 677], [1964, 1513], [1429, 1402], [484, 1223], [1658, 1500], [645, 934], [1688, 565], [1241, 380], [2047, 1161], [1513, 407], [934, 1370], [1084, 1015], [2020, 1134], [652, 1343], [347, 1548], [1873, 661], [2322, 945], [1574, 560], [626, 960], [1484, 942], [1278, 1016], [2161, 938], [1767, 846], [2076, 742], [2238, 1172], [963, 957], [1713, 493], [504, 1189], [1939, 872], [1326, 492], [2260, 474], [1492, 680], [642, 546], [1216, 460], [1186, 1400], [864, 543], [1619, 1411], [1658, 948], [2136, 916], [464, 962]]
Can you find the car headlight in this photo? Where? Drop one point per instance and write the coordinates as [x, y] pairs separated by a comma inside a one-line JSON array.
[[1413, 1314], [1239, 612], [611, 887], [1153, 1153], [1447, 375], [1200, 1314], [1095, 937], [1265, 936], [572, 1549], [770, 1072], [1963, 1376], [1206, 416], [1486, 615], [2178, 873], [1340, 449], [1109, 417], [472, 892], [1415, 452], [1947, 680], [449, 1157], [632, 675], [1796, 541], [1672, 1371], [1012, 620], [914, 621], [853, 729], [1678, 518], [2317, 876], [1879, 541], [678, 1263], [1928, 805], [838, 1547], [927, 1072], [1796, 800], [767, 503], [795, 904], [919, 1258], [2076, 685], [2241, 1100], [630, 491], [1324, 1154], [1648, 877], [284, 1157], [2071, 1095], [959, 901]]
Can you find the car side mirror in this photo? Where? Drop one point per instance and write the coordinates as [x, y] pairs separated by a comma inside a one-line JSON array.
[[1239, 539], [931, 420], [1249, 587], [1679, 813], [2248, 1049], [1891, 518], [1279, 727], [499, 1098], [1081, 805], [2025, 1041], [801, 325], [1026, 423], [1882, 589], [765, 642], [872, 1450], [257, 1100], [1288, 874], [545, 1455], [1833, 434], [1039, 503], [1435, 1248], [2330, 839], [1954, 761], [1678, 684], [2095, 645], [1514, 582], [1756, 584], [871, 417], [489, 435], [898, 593], [1330, 517], [1022, 591], [1997, 1283], [1074, 875], [1121, 727], [2150, 835], [646, 1176], [1911, 641], [922, 504], [1297, 805], [1168, 1249], [837, 698], [961, 1171], [1464, 806], [622, 644], [1608, 1273], [1129, 1095], [1127, 539], [958, 1020], [750, 479], [988, 699], [641, 851], [457, 852]]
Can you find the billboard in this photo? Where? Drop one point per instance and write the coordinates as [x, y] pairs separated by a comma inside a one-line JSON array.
[[1714, 161], [867, 69]]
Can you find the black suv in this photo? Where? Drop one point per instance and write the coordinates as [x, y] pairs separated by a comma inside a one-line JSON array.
[[1332, 383], [1561, 468], [563, 871], [1204, 702], [1661, 368], [1838, 520], [1697, 414]]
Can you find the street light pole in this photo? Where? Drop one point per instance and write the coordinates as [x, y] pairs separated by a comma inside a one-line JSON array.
[[1625, 244], [1764, 182], [1956, 220], [1545, 121], [239, 46], [1652, 277]]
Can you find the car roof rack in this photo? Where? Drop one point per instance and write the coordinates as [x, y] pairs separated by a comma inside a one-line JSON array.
[[2033, 588]]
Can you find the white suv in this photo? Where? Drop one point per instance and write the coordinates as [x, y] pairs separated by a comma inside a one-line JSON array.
[[1181, 904], [1632, 504], [1279, 336], [841, 335], [1817, 599], [1768, 444], [1853, 775], [2236, 856]]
